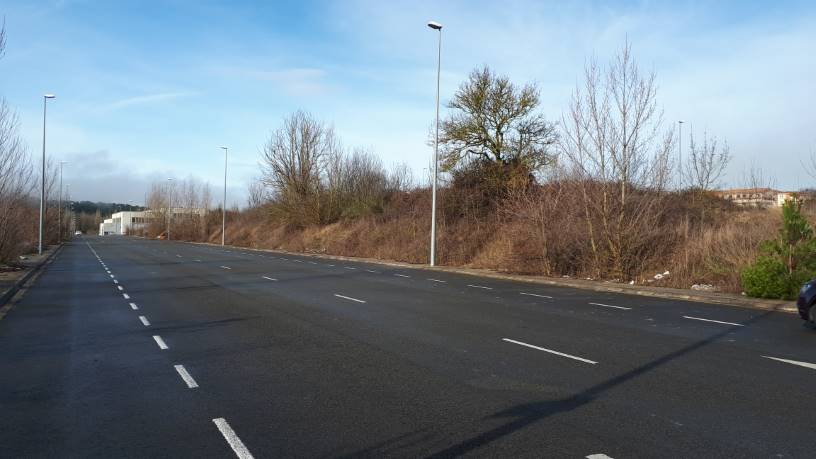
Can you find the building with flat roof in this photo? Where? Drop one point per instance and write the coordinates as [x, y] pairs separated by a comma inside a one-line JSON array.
[[756, 197], [128, 222]]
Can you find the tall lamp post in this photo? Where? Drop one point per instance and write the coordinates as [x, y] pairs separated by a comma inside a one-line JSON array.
[[224, 202], [42, 182], [59, 214], [169, 206], [438, 27]]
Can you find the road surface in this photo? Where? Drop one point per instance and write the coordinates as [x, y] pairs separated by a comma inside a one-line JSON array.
[[136, 348]]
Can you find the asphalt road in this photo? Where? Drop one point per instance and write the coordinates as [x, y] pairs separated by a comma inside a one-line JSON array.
[[137, 348]]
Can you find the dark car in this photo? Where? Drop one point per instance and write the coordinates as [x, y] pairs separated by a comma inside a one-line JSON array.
[[806, 300]]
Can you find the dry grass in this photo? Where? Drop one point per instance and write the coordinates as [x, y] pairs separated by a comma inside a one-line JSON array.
[[708, 249]]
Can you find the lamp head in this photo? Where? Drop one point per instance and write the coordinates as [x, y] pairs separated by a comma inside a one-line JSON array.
[[434, 25], [49, 96]]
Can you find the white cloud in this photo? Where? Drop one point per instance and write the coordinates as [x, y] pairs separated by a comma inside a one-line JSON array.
[[146, 100], [293, 81]]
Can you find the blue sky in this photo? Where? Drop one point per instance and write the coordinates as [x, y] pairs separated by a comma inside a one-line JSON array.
[[147, 91]]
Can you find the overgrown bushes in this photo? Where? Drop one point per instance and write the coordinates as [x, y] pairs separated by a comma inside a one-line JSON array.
[[786, 262]]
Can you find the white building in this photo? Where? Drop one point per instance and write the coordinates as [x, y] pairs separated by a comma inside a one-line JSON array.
[[122, 222], [756, 197], [106, 227]]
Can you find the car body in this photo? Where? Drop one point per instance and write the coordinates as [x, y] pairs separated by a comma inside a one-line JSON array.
[[806, 300]]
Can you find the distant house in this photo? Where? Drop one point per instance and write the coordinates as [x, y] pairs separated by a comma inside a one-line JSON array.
[[125, 222], [756, 197]]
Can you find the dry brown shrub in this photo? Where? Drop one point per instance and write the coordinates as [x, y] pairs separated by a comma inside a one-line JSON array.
[[717, 254]]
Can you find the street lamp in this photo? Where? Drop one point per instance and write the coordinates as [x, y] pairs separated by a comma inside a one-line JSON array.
[[438, 27], [42, 183], [224, 204], [169, 206], [59, 214]]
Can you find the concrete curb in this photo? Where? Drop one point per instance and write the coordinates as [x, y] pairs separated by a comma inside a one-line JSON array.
[[654, 292], [18, 284]]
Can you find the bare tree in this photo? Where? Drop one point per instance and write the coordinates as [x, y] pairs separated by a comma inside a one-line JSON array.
[[810, 164], [3, 38], [257, 194], [294, 163], [706, 163], [612, 137], [496, 121], [754, 178], [16, 184]]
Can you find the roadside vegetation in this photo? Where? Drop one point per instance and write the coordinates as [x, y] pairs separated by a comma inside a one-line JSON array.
[[595, 194], [19, 185]]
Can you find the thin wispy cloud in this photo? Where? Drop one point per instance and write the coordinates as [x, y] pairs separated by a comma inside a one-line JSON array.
[[293, 81], [146, 100]]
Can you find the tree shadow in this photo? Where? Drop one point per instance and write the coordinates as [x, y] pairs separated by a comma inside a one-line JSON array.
[[529, 413]]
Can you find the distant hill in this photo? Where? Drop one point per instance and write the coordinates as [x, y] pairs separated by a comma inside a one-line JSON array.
[[106, 209]]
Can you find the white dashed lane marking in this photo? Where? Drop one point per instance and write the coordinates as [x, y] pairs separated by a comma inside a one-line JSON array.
[[144, 320], [573, 357], [480, 286], [235, 443], [160, 342], [714, 321], [536, 295], [348, 298], [437, 280], [610, 306], [191, 383], [812, 366], [269, 278], [134, 307]]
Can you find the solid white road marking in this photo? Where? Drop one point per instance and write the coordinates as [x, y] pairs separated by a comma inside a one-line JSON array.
[[144, 320], [191, 383], [610, 306], [480, 286], [127, 297], [715, 321], [119, 287], [349, 298], [437, 280], [550, 351], [269, 278], [598, 456], [536, 295], [225, 267], [812, 366], [160, 342], [235, 443], [134, 307], [401, 275]]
